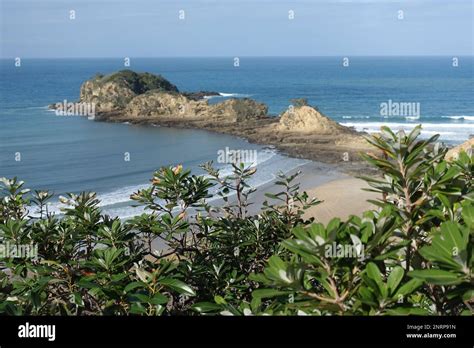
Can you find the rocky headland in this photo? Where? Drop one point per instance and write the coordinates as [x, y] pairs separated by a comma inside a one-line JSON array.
[[467, 146], [300, 131]]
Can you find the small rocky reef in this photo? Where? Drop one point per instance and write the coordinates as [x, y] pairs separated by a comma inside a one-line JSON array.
[[300, 131]]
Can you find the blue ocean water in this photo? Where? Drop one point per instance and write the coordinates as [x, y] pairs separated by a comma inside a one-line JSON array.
[[71, 154]]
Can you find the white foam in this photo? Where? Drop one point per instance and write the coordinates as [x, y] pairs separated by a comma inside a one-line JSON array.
[[117, 202], [460, 117], [357, 116], [262, 157], [234, 95], [453, 132], [117, 196], [228, 95]]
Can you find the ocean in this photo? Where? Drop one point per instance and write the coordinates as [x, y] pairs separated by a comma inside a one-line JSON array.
[[73, 154]]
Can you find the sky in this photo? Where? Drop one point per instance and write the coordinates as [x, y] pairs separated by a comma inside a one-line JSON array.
[[234, 28]]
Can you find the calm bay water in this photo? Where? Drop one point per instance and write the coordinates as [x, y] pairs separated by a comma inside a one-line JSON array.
[[67, 154]]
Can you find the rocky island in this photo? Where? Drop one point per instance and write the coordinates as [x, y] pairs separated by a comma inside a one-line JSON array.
[[300, 131]]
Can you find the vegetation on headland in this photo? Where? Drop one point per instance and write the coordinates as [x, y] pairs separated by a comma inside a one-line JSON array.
[[138, 82], [413, 255]]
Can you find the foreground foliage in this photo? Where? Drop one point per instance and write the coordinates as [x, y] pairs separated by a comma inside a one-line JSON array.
[[412, 255]]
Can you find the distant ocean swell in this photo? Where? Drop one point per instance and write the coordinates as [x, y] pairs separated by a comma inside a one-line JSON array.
[[468, 118], [449, 132], [461, 117]]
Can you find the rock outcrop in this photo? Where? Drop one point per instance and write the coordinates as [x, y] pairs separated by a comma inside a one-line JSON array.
[[237, 110], [302, 131], [130, 94], [113, 92], [157, 103], [169, 106], [467, 146], [200, 95], [309, 119]]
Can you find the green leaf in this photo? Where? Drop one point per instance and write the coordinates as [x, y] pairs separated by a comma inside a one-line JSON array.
[[133, 285], [178, 286], [408, 288], [159, 299], [393, 251], [206, 307], [451, 234], [444, 200], [367, 296], [83, 283], [436, 276], [276, 263], [140, 297], [468, 215], [451, 173], [468, 295], [438, 255], [220, 300], [137, 308], [394, 279], [302, 248], [448, 247], [78, 299], [268, 293], [407, 311], [373, 273]]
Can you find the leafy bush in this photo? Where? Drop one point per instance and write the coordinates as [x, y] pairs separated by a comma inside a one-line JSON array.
[[87, 263], [417, 248], [222, 246], [138, 82], [412, 255]]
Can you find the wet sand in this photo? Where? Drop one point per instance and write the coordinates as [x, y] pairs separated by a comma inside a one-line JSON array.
[[341, 198]]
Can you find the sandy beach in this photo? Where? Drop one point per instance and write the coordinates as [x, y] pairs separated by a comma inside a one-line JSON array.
[[342, 195], [341, 198]]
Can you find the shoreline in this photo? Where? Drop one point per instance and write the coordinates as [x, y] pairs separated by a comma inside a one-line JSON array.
[[341, 199], [313, 175], [322, 148], [341, 194]]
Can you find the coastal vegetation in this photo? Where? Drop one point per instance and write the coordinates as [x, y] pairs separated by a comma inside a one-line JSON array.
[[412, 255], [138, 82]]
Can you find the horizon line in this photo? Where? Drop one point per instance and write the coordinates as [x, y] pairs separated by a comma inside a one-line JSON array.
[[250, 56]]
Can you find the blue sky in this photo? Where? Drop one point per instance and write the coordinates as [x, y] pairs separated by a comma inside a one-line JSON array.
[[152, 28]]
